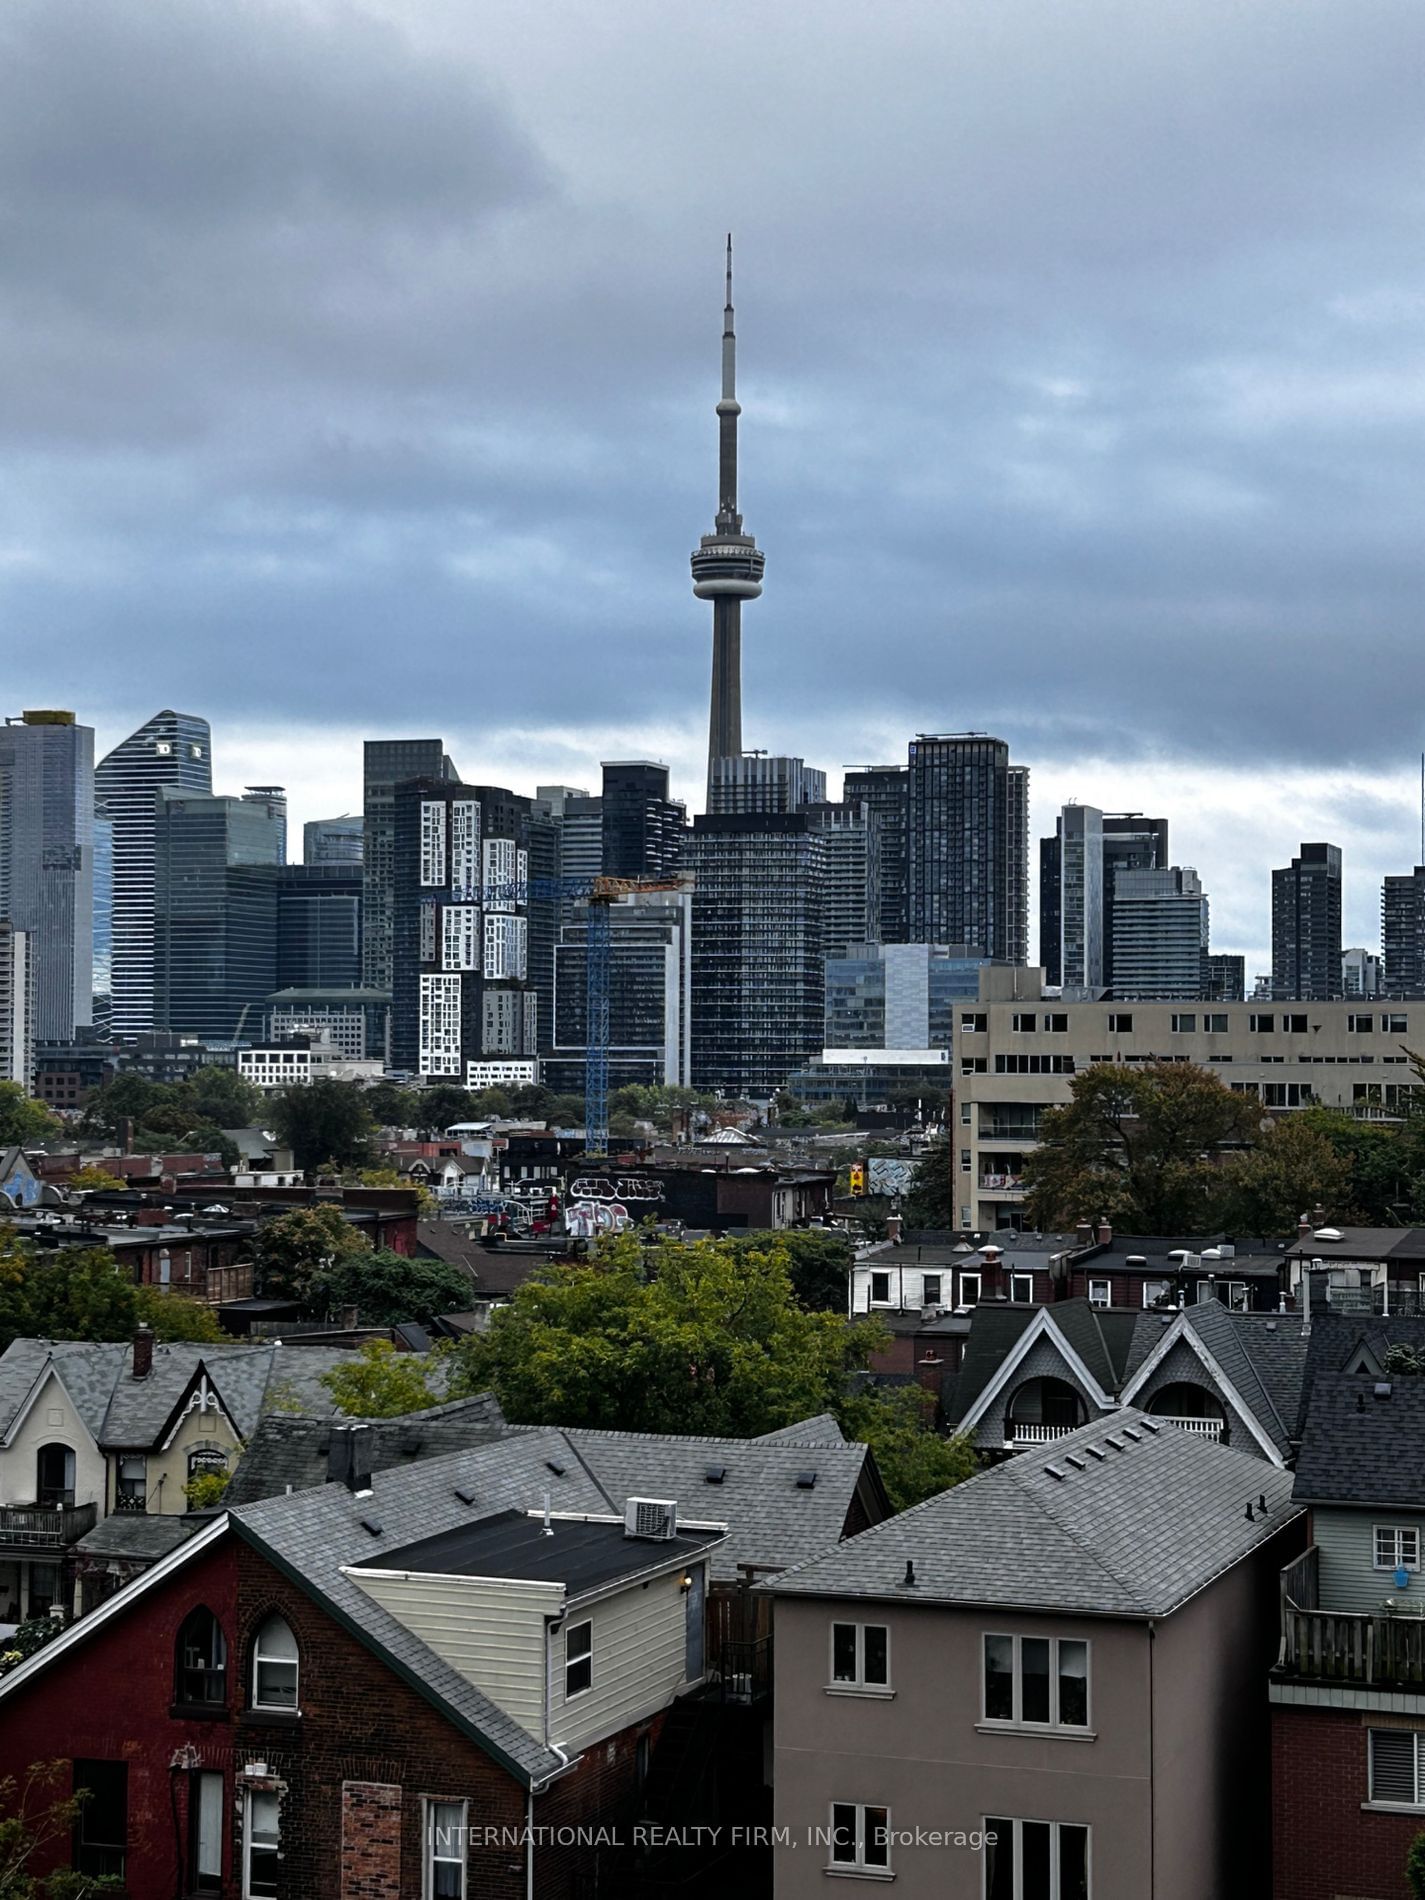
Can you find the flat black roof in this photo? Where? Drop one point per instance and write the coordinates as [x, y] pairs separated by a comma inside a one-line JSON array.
[[580, 1555]]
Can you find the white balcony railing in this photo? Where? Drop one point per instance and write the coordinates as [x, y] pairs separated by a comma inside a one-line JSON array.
[[1016, 1433], [1203, 1427]]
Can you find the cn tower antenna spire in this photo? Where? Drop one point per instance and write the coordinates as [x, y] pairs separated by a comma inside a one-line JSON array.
[[728, 564]]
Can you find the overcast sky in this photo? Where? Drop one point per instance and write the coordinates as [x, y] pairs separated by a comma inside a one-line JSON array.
[[357, 370]]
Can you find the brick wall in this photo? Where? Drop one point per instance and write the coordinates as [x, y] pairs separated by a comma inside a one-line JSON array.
[[1324, 1846]]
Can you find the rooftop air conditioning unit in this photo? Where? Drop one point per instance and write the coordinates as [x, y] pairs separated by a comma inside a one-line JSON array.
[[651, 1517]]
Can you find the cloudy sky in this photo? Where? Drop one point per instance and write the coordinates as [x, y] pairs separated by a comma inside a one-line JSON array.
[[357, 366]]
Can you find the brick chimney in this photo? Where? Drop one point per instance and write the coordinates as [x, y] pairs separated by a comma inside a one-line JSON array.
[[143, 1351], [1083, 1234], [1105, 1232], [349, 1457], [1303, 1226], [893, 1227]]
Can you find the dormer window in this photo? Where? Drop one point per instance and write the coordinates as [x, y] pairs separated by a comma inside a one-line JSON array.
[[202, 1672], [274, 1667]]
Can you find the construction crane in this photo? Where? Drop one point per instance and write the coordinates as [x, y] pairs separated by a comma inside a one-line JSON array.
[[598, 894]]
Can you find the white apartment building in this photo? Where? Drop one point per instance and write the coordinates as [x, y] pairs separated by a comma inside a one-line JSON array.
[[280, 1066], [17, 1007], [1018, 1048]]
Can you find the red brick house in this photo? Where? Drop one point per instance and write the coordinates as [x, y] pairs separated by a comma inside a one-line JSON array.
[[405, 1684]]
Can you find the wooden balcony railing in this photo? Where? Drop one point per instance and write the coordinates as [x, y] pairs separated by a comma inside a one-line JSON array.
[[45, 1526], [1337, 1646], [1018, 1434], [1203, 1427]]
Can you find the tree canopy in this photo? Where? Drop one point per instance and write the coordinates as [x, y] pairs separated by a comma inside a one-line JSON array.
[[387, 1288], [930, 1201], [293, 1252], [84, 1293], [818, 1259], [189, 1114], [381, 1382], [22, 1119], [324, 1123]]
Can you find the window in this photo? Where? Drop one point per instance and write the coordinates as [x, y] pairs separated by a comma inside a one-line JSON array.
[[1036, 1860], [202, 1661], [974, 1025], [974, 1065], [578, 1659], [445, 1835], [1397, 1547], [1294, 1025], [274, 1666], [1360, 1025], [930, 1284], [859, 1835], [1057, 1023], [1262, 1025], [860, 1655], [1215, 1023], [205, 1833], [132, 1490], [1393, 1025], [101, 1834], [964, 1160], [1157, 1292], [1024, 1020], [880, 1289], [966, 1112], [1021, 1288], [1185, 1024], [1120, 1024], [54, 1476], [1034, 1065], [1041, 1681], [1100, 1292], [969, 1289], [261, 1844]]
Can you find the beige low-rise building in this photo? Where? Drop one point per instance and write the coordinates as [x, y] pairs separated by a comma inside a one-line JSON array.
[[1018, 1047]]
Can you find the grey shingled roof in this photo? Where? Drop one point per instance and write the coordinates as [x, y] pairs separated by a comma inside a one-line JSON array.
[[121, 1411], [312, 1534], [291, 1453], [821, 1430], [1360, 1449], [142, 1537], [1135, 1533], [1263, 1355]]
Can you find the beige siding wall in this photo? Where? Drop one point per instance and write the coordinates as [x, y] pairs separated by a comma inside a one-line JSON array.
[[168, 1469], [492, 1632], [52, 1420], [638, 1650]]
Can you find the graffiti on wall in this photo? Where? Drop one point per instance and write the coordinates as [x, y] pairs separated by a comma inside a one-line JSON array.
[[889, 1175]]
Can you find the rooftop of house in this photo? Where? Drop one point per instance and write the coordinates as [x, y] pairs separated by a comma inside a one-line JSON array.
[[783, 1497], [582, 1553], [121, 1410], [1355, 1343], [1361, 1441], [1128, 1518], [141, 1537], [1372, 1244]]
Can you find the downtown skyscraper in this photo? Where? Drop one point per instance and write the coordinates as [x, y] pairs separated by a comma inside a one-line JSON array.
[[172, 750], [47, 862]]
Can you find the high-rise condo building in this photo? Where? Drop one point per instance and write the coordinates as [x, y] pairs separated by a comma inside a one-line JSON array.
[[1361, 973], [885, 792], [650, 995], [386, 764], [17, 1007], [851, 846], [319, 926], [1160, 935], [1077, 870], [727, 564], [462, 1000], [757, 979], [217, 862], [642, 827], [1226, 978], [47, 862], [1402, 933], [967, 845], [332, 840], [170, 750], [762, 782], [1306, 926]]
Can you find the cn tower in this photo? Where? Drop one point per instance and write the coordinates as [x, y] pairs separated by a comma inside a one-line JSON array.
[[727, 564]]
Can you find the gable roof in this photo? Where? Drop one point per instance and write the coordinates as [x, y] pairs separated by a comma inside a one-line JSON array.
[[1072, 1327], [1089, 1531], [290, 1453], [1358, 1448], [1236, 1358]]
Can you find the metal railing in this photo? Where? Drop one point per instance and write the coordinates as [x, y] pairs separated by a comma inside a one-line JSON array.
[[45, 1526]]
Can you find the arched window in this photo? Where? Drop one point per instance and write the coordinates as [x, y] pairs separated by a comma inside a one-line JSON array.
[[54, 1476], [202, 1661], [274, 1666]]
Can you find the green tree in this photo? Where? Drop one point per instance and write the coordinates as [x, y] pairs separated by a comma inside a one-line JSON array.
[[77, 1293], [1294, 1166], [391, 1106], [323, 1123], [221, 1097], [88, 1179], [930, 1200], [208, 1139], [1142, 1145], [175, 1316], [37, 1821], [818, 1258], [207, 1489], [127, 1098], [914, 1461], [292, 1251], [387, 1287], [1415, 1867], [442, 1107], [22, 1119], [382, 1383], [715, 1341]]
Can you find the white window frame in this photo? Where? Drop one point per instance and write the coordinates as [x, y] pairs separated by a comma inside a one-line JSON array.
[[429, 1856], [1155, 1288], [857, 1684], [250, 1795], [1403, 1537], [965, 1279], [937, 1298], [1018, 1720], [294, 1663], [1018, 1280], [584, 1657], [859, 1864], [879, 1299], [1019, 1823], [1107, 1286]]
